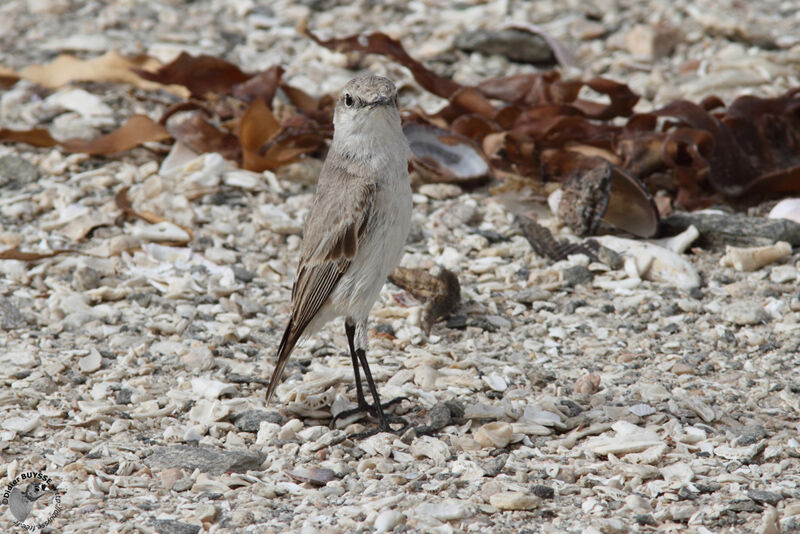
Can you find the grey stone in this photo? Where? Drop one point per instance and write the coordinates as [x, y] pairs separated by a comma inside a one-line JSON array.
[[718, 230], [206, 459], [516, 45], [123, 396], [744, 506], [170, 526], [184, 484], [765, 497], [242, 274], [438, 416], [744, 313], [250, 420], [577, 275], [532, 294], [10, 316], [751, 434], [16, 170], [544, 492], [85, 278], [610, 258]]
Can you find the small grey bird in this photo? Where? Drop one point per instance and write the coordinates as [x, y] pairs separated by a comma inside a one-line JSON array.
[[20, 502], [355, 230]]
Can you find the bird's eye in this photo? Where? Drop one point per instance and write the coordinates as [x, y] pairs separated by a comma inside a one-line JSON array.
[[348, 100]]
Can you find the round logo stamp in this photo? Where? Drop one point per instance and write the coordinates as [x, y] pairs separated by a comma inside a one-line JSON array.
[[33, 500]]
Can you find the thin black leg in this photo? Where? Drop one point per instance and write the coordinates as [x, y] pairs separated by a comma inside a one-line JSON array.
[[377, 408], [350, 329], [359, 358]]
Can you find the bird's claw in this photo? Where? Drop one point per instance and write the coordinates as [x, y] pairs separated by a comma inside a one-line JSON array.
[[364, 407]]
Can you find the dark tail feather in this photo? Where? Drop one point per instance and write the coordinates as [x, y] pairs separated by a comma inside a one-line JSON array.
[[289, 340]]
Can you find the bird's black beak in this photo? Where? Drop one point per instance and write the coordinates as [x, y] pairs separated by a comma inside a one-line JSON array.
[[380, 101]]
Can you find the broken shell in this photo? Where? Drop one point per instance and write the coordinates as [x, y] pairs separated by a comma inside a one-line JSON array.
[[679, 243], [211, 389], [655, 263], [387, 520], [497, 435], [316, 476], [163, 231], [788, 208], [442, 156], [208, 412], [753, 258], [609, 194], [514, 500], [642, 410], [628, 438]]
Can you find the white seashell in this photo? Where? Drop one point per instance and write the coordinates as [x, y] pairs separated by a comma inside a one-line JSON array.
[[91, 362], [425, 377], [651, 455], [739, 453], [628, 438], [163, 231], [381, 444], [753, 258], [211, 389], [788, 208], [290, 429], [208, 412], [534, 414], [497, 434], [430, 447], [679, 243], [387, 520], [192, 434], [514, 500], [692, 435], [98, 487], [267, 432], [440, 191], [679, 472], [654, 262], [449, 510], [703, 410], [82, 102], [178, 158], [21, 424], [278, 221], [530, 429], [554, 201], [496, 382], [246, 180], [205, 483], [483, 411], [781, 274], [642, 410]]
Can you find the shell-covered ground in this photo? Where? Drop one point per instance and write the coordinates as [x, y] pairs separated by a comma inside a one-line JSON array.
[[559, 398]]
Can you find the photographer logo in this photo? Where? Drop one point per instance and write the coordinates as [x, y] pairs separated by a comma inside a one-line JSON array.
[[32, 500]]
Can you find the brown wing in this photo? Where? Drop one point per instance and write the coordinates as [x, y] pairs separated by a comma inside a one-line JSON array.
[[335, 222]]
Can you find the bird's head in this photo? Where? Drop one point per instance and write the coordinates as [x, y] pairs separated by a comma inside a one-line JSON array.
[[366, 102]]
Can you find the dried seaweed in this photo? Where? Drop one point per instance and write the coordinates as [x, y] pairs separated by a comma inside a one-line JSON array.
[[535, 127], [546, 246], [439, 289]]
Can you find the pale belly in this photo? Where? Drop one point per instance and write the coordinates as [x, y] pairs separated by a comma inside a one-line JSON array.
[[377, 256]]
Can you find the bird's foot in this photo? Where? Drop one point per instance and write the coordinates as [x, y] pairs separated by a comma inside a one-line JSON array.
[[366, 408]]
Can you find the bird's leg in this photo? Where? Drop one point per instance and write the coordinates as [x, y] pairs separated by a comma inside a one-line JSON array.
[[383, 420], [350, 329], [359, 359]]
